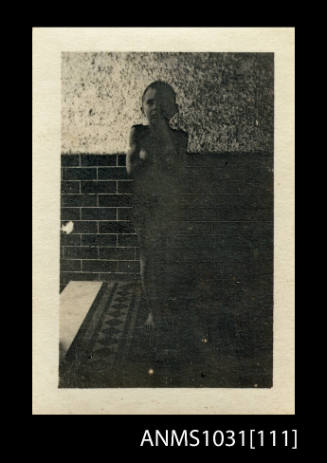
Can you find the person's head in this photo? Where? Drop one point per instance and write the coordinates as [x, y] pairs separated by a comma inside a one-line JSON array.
[[159, 100]]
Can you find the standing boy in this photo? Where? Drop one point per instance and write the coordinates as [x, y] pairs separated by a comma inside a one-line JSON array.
[[155, 161]]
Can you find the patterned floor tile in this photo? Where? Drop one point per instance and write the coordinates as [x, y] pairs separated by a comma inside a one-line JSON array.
[[120, 352]]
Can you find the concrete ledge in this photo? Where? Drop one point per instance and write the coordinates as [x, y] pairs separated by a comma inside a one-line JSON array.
[[75, 302]]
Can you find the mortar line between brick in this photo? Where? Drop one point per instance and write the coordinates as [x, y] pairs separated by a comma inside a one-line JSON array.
[[112, 260], [99, 220], [96, 272], [88, 246]]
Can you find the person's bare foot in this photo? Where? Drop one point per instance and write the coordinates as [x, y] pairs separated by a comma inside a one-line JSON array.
[[149, 322]]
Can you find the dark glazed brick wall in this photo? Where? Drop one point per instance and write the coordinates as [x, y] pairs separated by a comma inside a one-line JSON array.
[[224, 223]]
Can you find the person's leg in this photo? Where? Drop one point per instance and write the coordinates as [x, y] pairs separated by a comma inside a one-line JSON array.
[[144, 282], [151, 269], [149, 285], [147, 224], [152, 230]]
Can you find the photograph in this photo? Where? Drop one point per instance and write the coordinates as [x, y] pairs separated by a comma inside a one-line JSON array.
[[167, 220], [163, 220]]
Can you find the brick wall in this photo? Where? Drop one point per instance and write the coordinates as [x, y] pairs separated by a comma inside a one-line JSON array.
[[225, 224]]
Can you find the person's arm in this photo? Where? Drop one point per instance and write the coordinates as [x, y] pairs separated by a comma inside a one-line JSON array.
[[133, 160]]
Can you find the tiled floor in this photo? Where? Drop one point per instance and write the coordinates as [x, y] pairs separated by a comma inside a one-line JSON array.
[[204, 343]]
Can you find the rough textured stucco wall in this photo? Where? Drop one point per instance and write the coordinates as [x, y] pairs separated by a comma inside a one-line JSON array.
[[226, 99]]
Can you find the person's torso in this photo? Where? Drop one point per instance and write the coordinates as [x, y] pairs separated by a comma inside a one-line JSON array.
[[155, 180]]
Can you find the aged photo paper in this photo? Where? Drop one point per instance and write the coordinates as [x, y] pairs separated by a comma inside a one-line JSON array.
[[91, 101]]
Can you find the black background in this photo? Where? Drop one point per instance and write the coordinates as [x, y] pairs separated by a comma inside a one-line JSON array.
[[110, 437]]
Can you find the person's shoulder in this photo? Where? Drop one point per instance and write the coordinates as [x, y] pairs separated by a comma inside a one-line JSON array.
[[137, 132], [181, 133], [139, 128], [182, 136]]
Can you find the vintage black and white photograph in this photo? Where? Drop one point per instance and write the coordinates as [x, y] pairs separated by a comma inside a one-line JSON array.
[[166, 239], [163, 221]]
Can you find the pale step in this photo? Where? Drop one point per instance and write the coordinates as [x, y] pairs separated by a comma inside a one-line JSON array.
[[75, 301]]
